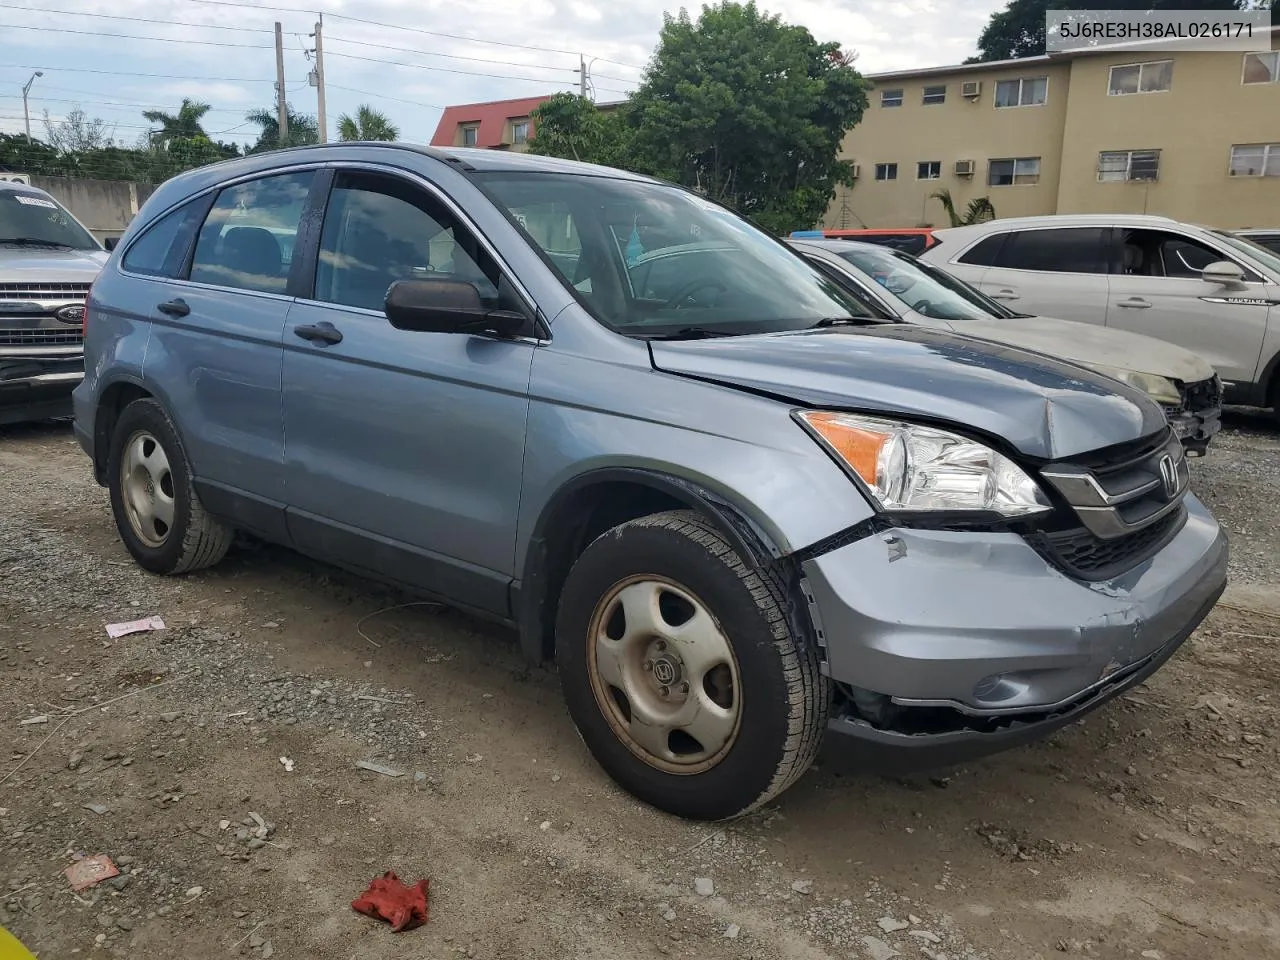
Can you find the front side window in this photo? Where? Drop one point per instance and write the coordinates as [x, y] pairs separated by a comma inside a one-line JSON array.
[[935, 94], [891, 98], [648, 259], [929, 170], [1022, 92], [1020, 171], [247, 238], [1255, 160], [1155, 76], [1062, 250], [1261, 67], [37, 220], [378, 230], [1157, 253], [1122, 165], [886, 171], [153, 254]]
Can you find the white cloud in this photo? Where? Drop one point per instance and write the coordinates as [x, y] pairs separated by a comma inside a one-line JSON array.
[[233, 67]]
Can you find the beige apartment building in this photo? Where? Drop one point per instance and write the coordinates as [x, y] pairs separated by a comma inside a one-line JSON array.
[[1193, 135]]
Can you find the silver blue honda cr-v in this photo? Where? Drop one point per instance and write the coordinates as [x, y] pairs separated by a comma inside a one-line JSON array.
[[674, 455]]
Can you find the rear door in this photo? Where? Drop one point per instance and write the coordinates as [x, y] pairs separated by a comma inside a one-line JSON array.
[[1052, 272], [1157, 290]]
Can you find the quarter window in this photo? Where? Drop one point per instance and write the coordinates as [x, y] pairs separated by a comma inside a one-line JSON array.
[[378, 230], [891, 98], [1022, 92], [1155, 76], [929, 170], [1019, 171], [985, 252], [1122, 165], [1261, 67], [936, 94], [1064, 250], [886, 171], [247, 238], [153, 254], [1255, 160]]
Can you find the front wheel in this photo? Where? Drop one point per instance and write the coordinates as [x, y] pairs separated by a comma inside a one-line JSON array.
[[681, 671]]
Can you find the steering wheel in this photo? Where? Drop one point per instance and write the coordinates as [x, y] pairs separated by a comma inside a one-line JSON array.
[[922, 306], [693, 286], [898, 283]]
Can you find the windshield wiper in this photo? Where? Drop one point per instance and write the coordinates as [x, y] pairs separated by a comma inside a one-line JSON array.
[[690, 333], [840, 322], [36, 242]]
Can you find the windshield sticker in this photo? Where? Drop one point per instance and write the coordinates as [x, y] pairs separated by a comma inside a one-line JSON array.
[[35, 202]]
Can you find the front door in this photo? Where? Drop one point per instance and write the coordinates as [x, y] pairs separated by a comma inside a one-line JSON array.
[[404, 450], [1158, 292]]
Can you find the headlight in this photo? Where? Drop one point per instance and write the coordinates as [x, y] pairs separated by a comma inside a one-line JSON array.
[[909, 467], [1158, 388]]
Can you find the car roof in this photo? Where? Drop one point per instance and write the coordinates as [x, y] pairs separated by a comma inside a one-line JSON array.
[[1060, 220], [13, 186]]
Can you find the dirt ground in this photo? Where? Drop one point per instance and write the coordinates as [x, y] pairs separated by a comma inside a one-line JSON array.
[[1151, 830]]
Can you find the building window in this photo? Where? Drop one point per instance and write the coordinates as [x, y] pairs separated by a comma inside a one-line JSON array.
[[1019, 171], [1122, 165], [519, 131], [936, 94], [1023, 92], [1255, 160], [891, 98], [929, 170], [1153, 77], [886, 171], [1261, 67], [470, 135]]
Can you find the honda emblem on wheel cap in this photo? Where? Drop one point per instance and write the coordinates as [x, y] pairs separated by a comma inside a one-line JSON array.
[[1169, 476]]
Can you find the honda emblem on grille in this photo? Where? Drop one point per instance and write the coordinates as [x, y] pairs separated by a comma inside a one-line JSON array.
[[1169, 476]]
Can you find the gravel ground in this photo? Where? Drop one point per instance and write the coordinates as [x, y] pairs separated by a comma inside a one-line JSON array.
[[216, 762]]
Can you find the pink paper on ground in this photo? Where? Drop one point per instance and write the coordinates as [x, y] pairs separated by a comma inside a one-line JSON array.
[[117, 630]]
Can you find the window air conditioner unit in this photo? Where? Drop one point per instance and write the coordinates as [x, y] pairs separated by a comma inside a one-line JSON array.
[[855, 170], [16, 178], [964, 168], [971, 89]]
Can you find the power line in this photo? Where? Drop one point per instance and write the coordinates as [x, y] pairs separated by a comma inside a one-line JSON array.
[[446, 56], [423, 66], [134, 36], [129, 73], [383, 96], [113, 16], [126, 105]]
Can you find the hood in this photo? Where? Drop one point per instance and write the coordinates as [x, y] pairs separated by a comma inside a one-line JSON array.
[[50, 266], [1091, 343], [1040, 406]]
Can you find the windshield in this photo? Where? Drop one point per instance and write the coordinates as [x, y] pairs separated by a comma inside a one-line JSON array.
[[1257, 251], [650, 260], [34, 219], [925, 288]]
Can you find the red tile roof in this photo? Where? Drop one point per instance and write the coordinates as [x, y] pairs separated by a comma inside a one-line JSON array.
[[492, 118]]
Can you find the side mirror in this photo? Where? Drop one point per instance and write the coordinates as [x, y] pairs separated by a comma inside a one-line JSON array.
[[1224, 273], [111, 243], [447, 306]]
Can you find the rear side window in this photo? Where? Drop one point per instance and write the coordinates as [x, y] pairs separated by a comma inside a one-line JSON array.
[[153, 254], [1066, 250], [985, 252], [247, 239]]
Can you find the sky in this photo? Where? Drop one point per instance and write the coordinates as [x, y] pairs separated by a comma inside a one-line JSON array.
[[407, 58]]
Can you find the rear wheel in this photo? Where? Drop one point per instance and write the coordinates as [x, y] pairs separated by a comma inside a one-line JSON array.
[[160, 518], [681, 671]]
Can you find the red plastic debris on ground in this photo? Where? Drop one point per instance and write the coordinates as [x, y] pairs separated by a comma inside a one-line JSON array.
[[90, 872], [389, 899]]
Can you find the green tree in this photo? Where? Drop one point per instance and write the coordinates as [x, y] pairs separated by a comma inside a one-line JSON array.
[[183, 125], [979, 209], [367, 124], [749, 110], [572, 127], [303, 129], [1018, 29]]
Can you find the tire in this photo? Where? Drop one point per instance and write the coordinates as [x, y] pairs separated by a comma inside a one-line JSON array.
[[160, 518], [759, 705]]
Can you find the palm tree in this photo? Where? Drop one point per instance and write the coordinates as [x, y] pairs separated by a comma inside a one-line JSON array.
[[367, 124], [183, 125], [303, 129], [979, 209]]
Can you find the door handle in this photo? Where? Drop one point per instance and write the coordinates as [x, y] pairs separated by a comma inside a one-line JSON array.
[[323, 333], [1003, 295], [1134, 303], [174, 308]]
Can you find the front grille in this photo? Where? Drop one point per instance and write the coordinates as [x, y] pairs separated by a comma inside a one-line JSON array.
[[1081, 554], [30, 290], [42, 337]]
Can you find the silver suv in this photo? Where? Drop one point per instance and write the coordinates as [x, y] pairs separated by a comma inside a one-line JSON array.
[[736, 511], [47, 262]]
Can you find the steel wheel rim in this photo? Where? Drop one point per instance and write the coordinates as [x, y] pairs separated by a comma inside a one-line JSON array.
[[146, 489], [649, 635]]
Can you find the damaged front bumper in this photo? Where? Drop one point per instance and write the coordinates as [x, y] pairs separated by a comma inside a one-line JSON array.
[[1198, 416], [948, 646]]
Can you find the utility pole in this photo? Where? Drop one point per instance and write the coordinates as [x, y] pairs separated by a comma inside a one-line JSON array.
[[324, 124], [282, 108], [582, 75], [26, 115]]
